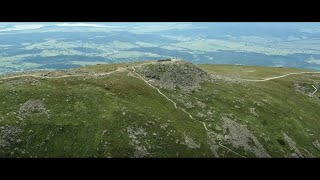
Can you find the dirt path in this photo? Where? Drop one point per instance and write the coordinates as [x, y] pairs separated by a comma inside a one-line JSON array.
[[277, 77], [59, 77], [204, 125], [175, 105]]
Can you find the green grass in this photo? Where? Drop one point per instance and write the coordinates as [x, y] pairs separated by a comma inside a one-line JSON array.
[[90, 110], [281, 113], [90, 117], [248, 72]]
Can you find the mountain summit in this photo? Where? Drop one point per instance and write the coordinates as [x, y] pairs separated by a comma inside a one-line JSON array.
[[173, 73]]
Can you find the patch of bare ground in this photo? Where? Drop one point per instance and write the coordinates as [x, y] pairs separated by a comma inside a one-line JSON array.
[[213, 140], [293, 146], [135, 135], [306, 88], [191, 143], [173, 74], [240, 137], [201, 115], [214, 146], [32, 106], [302, 88], [9, 135], [316, 144], [201, 104], [22, 81], [186, 103]]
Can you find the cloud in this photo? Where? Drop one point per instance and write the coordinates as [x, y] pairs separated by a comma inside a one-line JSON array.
[[19, 27], [81, 25]]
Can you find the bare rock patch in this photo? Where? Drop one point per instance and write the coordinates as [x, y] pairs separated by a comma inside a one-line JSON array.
[[173, 74], [32, 106], [9, 135], [239, 136], [22, 81], [192, 144], [293, 146], [316, 144], [135, 135]]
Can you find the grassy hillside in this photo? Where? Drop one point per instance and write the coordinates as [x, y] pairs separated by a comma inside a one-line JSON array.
[[248, 72], [112, 111]]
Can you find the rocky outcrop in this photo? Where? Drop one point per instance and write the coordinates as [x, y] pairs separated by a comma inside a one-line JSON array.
[[306, 88], [293, 146], [316, 144], [9, 135], [173, 74], [32, 106], [240, 136], [192, 144], [135, 135]]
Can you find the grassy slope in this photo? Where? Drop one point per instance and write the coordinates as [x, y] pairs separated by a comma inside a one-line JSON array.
[[282, 108], [248, 72], [96, 105], [90, 117]]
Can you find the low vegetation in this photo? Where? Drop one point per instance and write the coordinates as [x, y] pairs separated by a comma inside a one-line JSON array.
[[112, 111]]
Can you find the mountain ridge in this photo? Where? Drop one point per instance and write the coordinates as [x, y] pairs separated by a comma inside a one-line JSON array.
[[115, 111]]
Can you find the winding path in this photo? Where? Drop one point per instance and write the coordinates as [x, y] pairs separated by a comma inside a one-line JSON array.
[[277, 77], [175, 105], [59, 77], [120, 69], [221, 141]]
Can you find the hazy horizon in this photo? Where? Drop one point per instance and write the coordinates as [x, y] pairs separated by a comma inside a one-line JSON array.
[[62, 45]]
